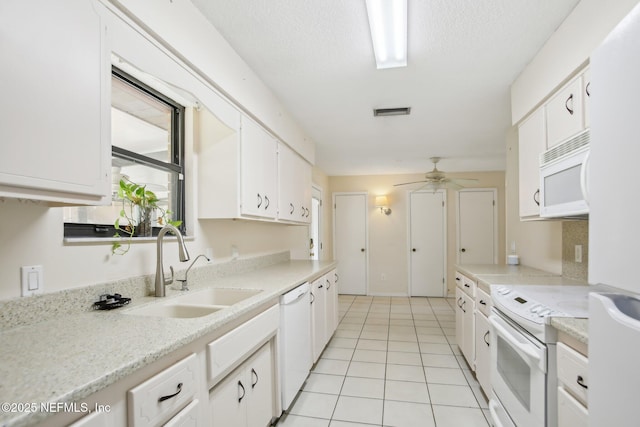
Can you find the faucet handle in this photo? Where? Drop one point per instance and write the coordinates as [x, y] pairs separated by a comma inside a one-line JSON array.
[[169, 281]]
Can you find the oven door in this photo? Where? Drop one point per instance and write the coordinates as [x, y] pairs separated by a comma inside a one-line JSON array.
[[518, 372]]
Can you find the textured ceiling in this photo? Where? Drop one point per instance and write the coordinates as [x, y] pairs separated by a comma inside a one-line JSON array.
[[316, 56]]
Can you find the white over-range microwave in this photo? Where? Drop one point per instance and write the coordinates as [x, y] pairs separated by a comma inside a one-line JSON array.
[[563, 178]]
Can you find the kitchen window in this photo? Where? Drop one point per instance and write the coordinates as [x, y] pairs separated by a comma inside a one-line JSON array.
[[147, 135]]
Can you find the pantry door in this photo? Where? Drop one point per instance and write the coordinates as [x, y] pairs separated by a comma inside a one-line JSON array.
[[477, 226], [350, 241], [427, 243]]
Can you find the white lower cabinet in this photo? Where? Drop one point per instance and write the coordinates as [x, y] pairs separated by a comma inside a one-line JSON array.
[[245, 398], [156, 400], [188, 417], [573, 384], [482, 340], [324, 312], [318, 317], [465, 336]]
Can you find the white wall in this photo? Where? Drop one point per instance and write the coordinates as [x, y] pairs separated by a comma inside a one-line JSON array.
[[565, 51], [32, 234], [388, 247]]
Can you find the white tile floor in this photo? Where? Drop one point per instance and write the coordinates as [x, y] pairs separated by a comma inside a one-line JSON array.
[[391, 362]]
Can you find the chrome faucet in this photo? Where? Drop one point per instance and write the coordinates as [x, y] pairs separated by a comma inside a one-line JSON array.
[[183, 254], [184, 281]]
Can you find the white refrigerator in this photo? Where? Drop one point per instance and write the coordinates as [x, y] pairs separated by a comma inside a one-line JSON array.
[[613, 174]]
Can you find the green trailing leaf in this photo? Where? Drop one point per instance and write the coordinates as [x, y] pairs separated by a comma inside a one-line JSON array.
[[133, 195]]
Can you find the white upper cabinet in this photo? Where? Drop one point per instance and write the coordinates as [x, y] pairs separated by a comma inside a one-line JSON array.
[[258, 170], [586, 96], [294, 186], [567, 110], [244, 172], [55, 105], [531, 142]]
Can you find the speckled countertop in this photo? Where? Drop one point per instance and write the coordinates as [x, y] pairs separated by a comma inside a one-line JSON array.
[[576, 328], [67, 358], [487, 275]]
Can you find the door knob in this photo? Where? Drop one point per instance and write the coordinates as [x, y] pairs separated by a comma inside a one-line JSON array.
[[463, 250], [413, 250], [362, 250]]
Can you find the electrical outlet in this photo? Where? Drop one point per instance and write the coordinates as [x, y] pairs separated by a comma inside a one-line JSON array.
[[578, 251], [32, 280]]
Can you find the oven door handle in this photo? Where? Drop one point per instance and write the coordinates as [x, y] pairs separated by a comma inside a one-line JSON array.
[[519, 343]]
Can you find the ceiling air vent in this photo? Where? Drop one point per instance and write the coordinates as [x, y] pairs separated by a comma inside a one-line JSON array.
[[403, 111]]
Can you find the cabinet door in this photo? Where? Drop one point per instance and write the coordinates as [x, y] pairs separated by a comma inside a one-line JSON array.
[[570, 412], [258, 171], [227, 401], [294, 186], [260, 389], [55, 105], [459, 319], [482, 344], [318, 317], [564, 113], [468, 348], [531, 143], [331, 305], [586, 96]]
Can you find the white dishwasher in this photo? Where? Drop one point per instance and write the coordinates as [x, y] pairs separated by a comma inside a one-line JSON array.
[[294, 339]]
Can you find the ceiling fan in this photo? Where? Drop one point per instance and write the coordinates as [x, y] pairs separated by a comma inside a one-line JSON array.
[[437, 179]]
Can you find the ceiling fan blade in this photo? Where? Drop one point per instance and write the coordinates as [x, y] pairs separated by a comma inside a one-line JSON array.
[[407, 183], [469, 180]]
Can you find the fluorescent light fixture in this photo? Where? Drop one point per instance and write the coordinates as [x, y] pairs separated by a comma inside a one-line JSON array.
[[388, 23]]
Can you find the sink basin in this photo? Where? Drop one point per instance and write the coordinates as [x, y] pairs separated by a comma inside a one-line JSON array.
[[218, 296], [174, 310]]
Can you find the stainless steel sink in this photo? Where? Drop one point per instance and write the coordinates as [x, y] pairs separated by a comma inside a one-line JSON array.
[[218, 296], [180, 311]]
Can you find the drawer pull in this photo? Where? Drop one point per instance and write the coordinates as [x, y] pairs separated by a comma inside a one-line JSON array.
[[482, 302], [485, 338], [466, 285], [566, 104], [462, 306], [458, 279], [253, 372], [581, 383], [243, 391], [163, 398], [328, 284]]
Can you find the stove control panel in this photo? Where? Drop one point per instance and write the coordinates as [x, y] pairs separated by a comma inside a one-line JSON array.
[[521, 305]]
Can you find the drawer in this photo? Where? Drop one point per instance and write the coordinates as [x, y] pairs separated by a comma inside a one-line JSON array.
[[483, 302], [469, 286], [188, 417], [459, 280], [571, 413], [573, 372], [157, 399], [232, 348]]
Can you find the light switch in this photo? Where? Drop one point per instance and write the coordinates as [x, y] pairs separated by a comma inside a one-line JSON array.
[[31, 277]]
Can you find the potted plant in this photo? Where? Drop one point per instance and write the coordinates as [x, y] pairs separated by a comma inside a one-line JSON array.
[[138, 207]]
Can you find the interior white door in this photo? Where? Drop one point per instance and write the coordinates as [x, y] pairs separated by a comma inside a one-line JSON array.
[[427, 231], [315, 245], [477, 226], [350, 241]]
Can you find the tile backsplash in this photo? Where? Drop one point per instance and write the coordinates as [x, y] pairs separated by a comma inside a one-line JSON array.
[[575, 233]]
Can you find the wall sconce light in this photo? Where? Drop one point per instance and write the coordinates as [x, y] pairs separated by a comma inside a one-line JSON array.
[[383, 204]]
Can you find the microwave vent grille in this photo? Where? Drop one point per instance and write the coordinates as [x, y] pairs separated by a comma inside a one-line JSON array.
[[569, 146]]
